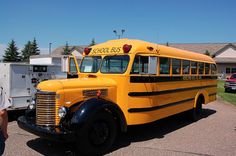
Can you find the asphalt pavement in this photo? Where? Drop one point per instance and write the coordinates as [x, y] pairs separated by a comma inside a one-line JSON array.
[[214, 134]]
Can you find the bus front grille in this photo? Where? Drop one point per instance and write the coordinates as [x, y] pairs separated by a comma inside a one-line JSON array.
[[46, 109]]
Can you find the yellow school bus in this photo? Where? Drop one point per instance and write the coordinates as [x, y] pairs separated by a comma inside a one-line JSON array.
[[120, 82]]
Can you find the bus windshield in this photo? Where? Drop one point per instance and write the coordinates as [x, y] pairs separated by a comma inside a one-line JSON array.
[[115, 64], [90, 64]]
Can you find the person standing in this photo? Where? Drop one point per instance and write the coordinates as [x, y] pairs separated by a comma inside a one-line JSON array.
[[3, 121]]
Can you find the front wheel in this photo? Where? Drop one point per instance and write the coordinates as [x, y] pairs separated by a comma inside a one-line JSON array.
[[98, 134]]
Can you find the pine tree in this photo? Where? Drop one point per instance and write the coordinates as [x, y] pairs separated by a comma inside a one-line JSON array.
[[26, 52], [11, 53], [66, 50], [207, 53], [34, 48], [92, 42]]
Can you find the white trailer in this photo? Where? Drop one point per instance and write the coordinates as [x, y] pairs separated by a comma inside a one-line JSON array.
[[19, 80]]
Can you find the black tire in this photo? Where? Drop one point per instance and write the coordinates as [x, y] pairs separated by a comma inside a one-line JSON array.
[[226, 90], [195, 113], [98, 135]]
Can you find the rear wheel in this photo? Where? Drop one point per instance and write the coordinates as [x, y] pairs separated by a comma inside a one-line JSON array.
[[195, 113], [98, 134]]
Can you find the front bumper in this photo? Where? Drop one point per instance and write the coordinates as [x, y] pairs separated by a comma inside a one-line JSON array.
[[51, 133], [230, 87]]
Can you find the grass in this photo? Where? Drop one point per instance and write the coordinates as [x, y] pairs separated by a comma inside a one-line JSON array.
[[229, 97]]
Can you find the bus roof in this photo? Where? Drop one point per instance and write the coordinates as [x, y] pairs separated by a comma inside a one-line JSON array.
[[112, 47]]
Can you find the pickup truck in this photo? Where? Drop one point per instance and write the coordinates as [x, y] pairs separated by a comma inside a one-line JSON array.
[[230, 83]]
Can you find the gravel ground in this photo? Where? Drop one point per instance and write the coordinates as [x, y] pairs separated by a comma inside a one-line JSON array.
[[214, 134]]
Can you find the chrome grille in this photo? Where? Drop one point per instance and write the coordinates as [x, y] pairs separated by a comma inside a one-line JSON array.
[[45, 108], [232, 84]]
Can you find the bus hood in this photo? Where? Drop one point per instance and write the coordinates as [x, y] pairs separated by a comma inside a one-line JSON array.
[[76, 83], [87, 83]]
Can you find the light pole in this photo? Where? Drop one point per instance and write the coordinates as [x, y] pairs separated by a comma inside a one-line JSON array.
[[50, 47], [119, 35]]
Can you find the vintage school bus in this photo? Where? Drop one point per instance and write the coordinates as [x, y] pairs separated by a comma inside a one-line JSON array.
[[120, 82]]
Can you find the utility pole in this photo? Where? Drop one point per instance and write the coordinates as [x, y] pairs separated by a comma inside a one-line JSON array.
[[119, 35], [50, 47]]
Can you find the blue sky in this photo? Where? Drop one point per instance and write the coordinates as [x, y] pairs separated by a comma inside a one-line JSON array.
[[76, 21]]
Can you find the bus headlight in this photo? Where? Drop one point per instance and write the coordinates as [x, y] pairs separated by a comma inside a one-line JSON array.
[[32, 104], [62, 112]]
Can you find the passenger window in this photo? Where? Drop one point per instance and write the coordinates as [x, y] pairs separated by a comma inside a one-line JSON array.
[[140, 65], [201, 68], [193, 68], [186, 67], [207, 68], [144, 65], [176, 66], [164, 65]]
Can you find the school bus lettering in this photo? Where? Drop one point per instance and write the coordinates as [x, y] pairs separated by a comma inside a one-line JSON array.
[[119, 83], [106, 50]]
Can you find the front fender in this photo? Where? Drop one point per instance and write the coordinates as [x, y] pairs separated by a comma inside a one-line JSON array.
[[89, 108]]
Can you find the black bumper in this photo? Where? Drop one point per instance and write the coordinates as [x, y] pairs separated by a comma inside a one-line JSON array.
[[51, 133]]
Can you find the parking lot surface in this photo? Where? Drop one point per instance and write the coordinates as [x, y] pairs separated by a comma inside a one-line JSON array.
[[214, 134]]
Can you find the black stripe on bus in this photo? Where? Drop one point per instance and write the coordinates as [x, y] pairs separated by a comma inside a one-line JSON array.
[[153, 79], [167, 91], [136, 110]]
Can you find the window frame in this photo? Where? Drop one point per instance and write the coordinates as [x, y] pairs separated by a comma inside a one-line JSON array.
[[99, 66], [104, 59], [183, 67], [159, 64], [147, 63], [180, 65], [199, 67], [72, 60]]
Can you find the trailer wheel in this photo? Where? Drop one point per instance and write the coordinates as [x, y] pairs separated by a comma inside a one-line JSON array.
[[98, 134]]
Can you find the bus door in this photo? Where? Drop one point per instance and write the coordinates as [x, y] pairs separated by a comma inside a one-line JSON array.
[[70, 65], [143, 84]]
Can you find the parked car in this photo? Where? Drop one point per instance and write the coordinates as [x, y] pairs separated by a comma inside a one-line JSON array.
[[230, 83]]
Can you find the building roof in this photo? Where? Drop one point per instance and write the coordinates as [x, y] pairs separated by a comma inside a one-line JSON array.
[[230, 45], [212, 48], [225, 60], [59, 50], [57, 53]]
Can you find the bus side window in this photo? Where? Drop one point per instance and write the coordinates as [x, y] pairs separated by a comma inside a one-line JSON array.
[[186, 67], [144, 65], [176, 66], [213, 69], [193, 68], [164, 65], [201, 68], [207, 68], [140, 65]]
